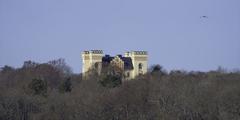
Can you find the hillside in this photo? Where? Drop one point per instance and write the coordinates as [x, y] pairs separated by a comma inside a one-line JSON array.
[[50, 91]]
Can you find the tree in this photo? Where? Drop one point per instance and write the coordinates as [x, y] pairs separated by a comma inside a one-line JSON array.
[[7, 74], [111, 81], [66, 86], [179, 95], [61, 65], [158, 70], [111, 76], [6, 68], [29, 64], [50, 74], [38, 87]]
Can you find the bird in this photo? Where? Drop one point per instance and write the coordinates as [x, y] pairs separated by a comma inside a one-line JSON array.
[[204, 16]]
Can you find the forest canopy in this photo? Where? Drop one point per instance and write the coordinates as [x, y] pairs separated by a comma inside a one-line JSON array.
[[51, 91]]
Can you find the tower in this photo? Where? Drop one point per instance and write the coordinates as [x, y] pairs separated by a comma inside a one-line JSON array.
[[90, 59], [139, 61]]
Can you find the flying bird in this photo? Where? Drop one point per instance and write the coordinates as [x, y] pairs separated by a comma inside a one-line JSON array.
[[204, 16]]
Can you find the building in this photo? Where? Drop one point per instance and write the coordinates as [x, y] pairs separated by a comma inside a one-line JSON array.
[[133, 63]]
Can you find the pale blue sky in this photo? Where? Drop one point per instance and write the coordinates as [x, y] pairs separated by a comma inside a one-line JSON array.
[[172, 31]]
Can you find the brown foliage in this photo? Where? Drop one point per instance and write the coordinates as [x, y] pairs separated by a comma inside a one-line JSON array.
[[178, 95]]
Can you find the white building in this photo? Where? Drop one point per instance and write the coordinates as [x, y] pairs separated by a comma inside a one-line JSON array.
[[133, 63]]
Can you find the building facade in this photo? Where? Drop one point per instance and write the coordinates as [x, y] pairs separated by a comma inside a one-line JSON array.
[[133, 63]]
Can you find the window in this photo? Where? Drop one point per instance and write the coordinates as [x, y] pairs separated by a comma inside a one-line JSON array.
[[140, 66], [96, 65]]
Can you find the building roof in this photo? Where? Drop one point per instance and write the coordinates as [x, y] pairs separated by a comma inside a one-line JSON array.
[[127, 61], [107, 59]]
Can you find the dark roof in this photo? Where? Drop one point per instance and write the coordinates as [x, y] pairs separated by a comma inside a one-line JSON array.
[[127, 61], [107, 59]]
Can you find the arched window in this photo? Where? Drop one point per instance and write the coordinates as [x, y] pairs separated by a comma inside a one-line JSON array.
[[96, 65], [140, 65]]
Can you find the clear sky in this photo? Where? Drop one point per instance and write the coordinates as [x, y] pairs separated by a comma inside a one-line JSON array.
[[172, 31]]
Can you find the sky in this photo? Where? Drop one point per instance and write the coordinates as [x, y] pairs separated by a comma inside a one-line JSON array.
[[174, 32]]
